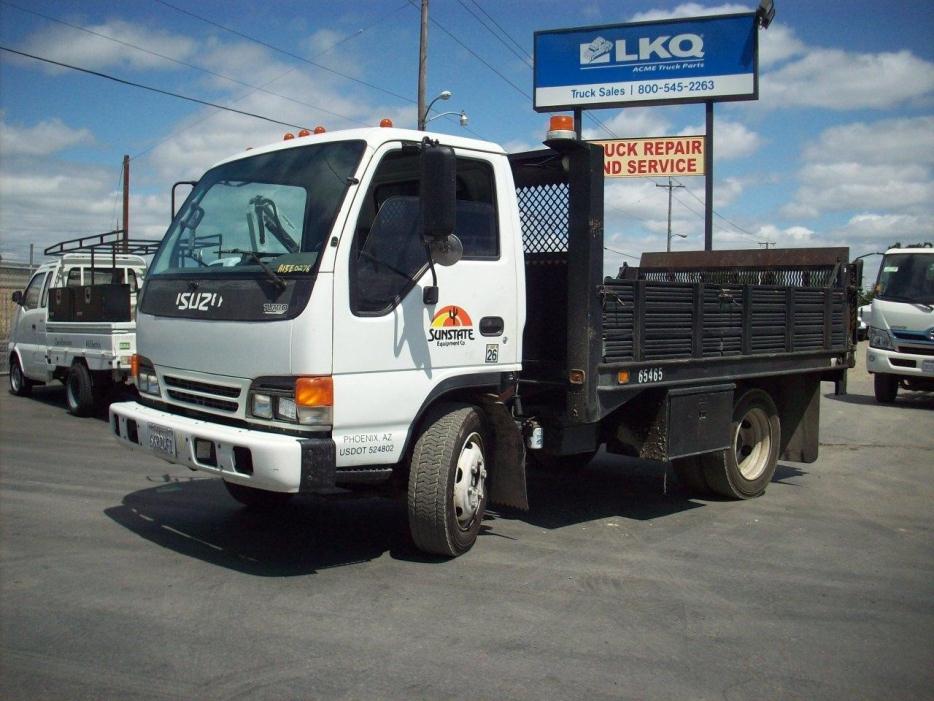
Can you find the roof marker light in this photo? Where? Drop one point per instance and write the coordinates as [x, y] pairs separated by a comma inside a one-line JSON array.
[[288, 135], [561, 126], [385, 122], [304, 132], [320, 129]]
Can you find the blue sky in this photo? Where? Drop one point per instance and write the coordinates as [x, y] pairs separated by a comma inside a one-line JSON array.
[[838, 150]]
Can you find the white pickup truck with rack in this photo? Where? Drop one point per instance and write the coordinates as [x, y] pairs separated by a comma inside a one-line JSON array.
[[76, 320]]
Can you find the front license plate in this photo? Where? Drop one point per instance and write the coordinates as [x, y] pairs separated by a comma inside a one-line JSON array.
[[162, 440], [927, 366]]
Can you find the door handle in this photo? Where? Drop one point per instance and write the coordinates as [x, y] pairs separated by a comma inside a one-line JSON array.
[[491, 326]]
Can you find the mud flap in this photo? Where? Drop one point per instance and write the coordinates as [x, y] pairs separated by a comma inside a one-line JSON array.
[[507, 473]]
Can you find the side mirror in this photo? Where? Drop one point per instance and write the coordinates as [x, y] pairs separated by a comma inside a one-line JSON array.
[[18, 297], [438, 191]]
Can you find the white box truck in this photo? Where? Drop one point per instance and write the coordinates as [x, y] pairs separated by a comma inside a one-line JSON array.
[[390, 311]]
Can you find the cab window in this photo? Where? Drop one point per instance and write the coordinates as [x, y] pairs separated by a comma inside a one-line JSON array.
[[33, 292], [389, 254]]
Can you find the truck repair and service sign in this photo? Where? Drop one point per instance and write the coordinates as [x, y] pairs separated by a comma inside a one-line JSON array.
[[662, 155], [685, 60]]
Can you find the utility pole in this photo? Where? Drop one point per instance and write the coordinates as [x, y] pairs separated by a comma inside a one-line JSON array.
[[767, 244], [422, 66], [670, 187], [126, 203]]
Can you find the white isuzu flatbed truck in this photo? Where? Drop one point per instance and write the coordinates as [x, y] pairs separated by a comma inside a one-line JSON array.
[[390, 311], [75, 321]]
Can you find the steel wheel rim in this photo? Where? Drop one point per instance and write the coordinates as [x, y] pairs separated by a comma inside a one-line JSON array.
[[16, 377], [469, 475], [752, 443], [70, 395]]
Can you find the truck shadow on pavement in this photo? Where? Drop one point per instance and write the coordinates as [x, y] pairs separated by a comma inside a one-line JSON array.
[[905, 400], [195, 517]]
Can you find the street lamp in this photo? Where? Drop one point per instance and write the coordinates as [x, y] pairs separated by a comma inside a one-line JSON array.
[[463, 117], [670, 234], [423, 118]]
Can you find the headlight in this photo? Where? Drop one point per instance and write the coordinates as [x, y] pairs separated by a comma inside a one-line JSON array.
[[306, 401], [147, 382], [880, 338], [262, 406]]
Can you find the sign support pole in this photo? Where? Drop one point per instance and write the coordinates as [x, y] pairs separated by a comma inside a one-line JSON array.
[[578, 122], [708, 178]]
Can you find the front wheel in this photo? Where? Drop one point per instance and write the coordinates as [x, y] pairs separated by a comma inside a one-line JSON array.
[[885, 387], [20, 385], [745, 468], [447, 480]]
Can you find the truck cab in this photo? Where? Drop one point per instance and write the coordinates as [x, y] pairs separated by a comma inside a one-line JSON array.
[[901, 331]]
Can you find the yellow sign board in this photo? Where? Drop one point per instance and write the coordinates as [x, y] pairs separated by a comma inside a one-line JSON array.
[[653, 157]]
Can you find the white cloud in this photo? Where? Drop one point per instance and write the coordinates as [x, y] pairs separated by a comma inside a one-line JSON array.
[[86, 50], [730, 139], [909, 140], [778, 43], [631, 122], [42, 139], [842, 80], [690, 9]]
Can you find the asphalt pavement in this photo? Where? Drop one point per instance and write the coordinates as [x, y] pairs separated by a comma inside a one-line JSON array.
[[125, 577]]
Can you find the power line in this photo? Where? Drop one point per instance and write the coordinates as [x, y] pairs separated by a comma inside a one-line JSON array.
[[245, 95], [149, 87], [620, 253], [524, 58], [528, 57], [283, 51], [468, 50], [255, 88]]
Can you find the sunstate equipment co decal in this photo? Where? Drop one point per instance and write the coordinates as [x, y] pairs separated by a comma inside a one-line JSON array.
[[451, 326]]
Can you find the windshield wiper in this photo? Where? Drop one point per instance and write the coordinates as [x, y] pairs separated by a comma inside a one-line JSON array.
[[257, 257]]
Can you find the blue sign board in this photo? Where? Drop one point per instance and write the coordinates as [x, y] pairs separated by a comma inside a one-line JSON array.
[[683, 60]]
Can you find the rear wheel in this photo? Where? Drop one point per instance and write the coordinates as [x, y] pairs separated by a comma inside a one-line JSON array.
[[885, 387], [745, 468], [20, 385], [447, 480], [79, 390], [259, 499]]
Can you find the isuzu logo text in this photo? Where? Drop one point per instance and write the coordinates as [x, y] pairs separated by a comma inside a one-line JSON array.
[[198, 301], [661, 48]]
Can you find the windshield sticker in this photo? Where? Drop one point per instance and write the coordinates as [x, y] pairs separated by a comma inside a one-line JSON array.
[[293, 268], [451, 326]]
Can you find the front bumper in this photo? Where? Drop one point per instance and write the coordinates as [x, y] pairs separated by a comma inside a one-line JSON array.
[[894, 363], [259, 459]]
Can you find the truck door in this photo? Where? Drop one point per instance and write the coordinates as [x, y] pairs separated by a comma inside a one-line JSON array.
[[29, 334], [391, 349]]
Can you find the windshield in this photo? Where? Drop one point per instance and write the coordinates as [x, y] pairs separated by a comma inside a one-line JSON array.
[[248, 213], [907, 277]]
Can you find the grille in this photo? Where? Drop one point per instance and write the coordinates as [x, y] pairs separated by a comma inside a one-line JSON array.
[[917, 350], [202, 394], [194, 386]]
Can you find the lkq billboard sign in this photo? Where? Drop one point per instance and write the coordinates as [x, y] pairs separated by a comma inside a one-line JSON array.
[[682, 60]]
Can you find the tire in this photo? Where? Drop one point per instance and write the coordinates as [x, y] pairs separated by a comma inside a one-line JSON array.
[[885, 387], [745, 469], [691, 475], [79, 390], [447, 480], [20, 385], [259, 499]]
